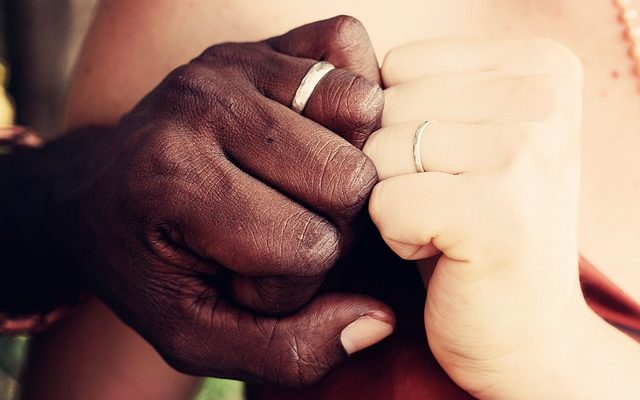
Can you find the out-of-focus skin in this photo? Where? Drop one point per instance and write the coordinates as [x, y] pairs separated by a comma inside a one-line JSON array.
[[130, 364], [171, 32]]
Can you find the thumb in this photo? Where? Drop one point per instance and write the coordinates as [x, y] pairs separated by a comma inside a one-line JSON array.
[[211, 336], [305, 346]]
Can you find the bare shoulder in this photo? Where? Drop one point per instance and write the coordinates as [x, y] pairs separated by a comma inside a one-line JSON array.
[[131, 46]]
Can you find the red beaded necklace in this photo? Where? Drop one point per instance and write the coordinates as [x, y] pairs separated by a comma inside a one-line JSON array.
[[630, 18]]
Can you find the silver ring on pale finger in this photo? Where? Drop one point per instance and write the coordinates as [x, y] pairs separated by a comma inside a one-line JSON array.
[[417, 139], [309, 83]]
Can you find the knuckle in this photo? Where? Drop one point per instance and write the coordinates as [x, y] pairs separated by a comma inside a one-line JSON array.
[[351, 175], [215, 53], [170, 159], [238, 60], [315, 248], [222, 54], [167, 156], [186, 94], [557, 57], [203, 101], [344, 28], [163, 158], [364, 105], [189, 81]]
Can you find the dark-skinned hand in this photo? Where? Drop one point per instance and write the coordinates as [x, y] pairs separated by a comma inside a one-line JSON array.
[[210, 216]]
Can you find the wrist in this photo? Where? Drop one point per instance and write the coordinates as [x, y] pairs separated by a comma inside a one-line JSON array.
[[584, 357], [37, 218]]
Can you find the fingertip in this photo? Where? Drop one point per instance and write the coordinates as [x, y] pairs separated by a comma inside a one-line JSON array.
[[326, 332], [347, 104], [365, 332], [412, 252]]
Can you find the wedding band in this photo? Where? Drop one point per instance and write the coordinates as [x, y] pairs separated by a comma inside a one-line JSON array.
[[309, 83], [417, 158]]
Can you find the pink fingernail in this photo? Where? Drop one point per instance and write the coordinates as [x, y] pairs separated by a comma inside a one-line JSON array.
[[364, 332]]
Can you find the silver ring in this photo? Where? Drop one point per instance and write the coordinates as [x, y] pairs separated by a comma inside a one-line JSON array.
[[417, 158], [309, 83]]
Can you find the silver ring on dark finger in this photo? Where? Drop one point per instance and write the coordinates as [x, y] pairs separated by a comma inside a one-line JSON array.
[[309, 83]]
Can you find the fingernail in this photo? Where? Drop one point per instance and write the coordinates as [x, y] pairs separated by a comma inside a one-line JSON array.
[[364, 332]]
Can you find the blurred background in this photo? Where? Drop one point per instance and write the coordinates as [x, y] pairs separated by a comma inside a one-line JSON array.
[[39, 41]]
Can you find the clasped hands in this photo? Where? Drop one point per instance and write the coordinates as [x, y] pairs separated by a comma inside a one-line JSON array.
[[212, 213]]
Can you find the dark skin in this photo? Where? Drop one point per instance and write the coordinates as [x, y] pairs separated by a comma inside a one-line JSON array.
[[209, 217]]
